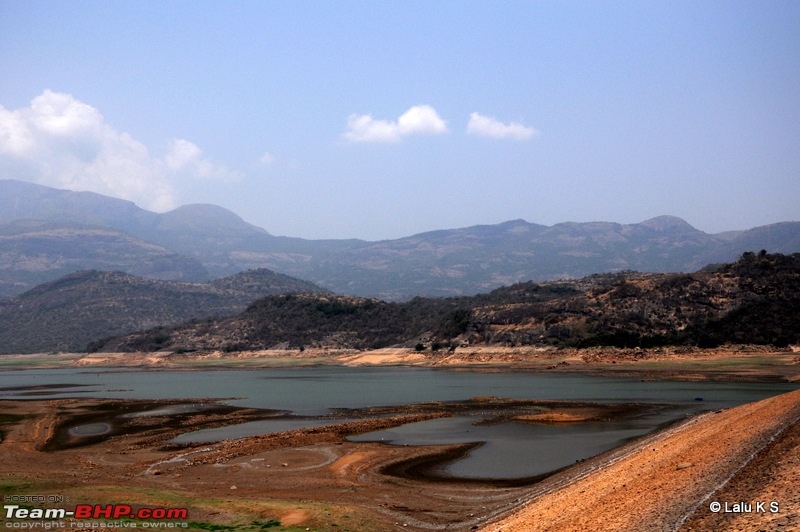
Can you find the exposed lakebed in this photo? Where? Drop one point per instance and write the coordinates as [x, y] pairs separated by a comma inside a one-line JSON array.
[[506, 442]]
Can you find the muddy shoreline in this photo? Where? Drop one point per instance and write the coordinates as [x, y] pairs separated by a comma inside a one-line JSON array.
[[318, 479], [286, 476], [381, 483]]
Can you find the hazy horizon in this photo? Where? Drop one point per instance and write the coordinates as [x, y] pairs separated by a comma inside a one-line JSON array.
[[384, 120]]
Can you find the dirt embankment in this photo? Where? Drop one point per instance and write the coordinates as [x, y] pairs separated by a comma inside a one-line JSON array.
[[771, 477], [670, 479]]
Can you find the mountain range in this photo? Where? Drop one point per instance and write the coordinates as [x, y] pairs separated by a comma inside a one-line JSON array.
[[46, 233]]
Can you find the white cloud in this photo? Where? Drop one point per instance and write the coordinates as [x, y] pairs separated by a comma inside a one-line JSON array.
[[421, 120], [15, 137], [62, 142], [485, 126], [266, 159], [418, 120], [182, 154], [62, 115], [186, 160], [364, 128]]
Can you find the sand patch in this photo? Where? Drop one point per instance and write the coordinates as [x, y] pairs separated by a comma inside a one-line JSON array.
[[386, 356], [295, 517], [342, 465], [555, 417]]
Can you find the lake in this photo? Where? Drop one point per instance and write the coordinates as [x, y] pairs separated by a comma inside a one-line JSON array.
[[508, 450]]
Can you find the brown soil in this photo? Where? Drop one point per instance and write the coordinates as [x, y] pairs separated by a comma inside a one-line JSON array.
[[770, 477], [566, 412], [656, 483], [558, 417], [378, 485]]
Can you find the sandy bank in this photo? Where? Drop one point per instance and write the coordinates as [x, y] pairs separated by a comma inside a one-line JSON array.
[[727, 363]]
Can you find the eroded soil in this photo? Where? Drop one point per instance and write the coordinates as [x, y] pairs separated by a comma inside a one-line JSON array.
[[123, 451]]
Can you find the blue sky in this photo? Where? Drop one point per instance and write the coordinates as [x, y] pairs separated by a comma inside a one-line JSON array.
[[383, 119]]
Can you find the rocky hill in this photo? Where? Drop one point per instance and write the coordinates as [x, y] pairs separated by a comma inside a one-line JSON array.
[[755, 300], [439, 263], [66, 314]]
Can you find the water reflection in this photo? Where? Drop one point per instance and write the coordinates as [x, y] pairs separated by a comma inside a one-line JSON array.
[[516, 449], [91, 429]]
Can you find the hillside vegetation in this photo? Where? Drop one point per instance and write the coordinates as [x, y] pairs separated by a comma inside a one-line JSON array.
[[755, 300]]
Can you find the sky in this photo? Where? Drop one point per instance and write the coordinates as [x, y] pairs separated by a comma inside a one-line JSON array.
[[379, 120]]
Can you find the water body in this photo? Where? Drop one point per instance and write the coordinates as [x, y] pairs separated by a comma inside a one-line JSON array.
[[516, 449], [314, 391], [507, 450], [92, 429]]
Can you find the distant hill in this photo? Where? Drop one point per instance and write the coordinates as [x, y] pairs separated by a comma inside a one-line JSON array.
[[20, 200], [439, 263], [192, 232], [66, 314], [755, 300], [776, 238], [33, 252], [444, 263]]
